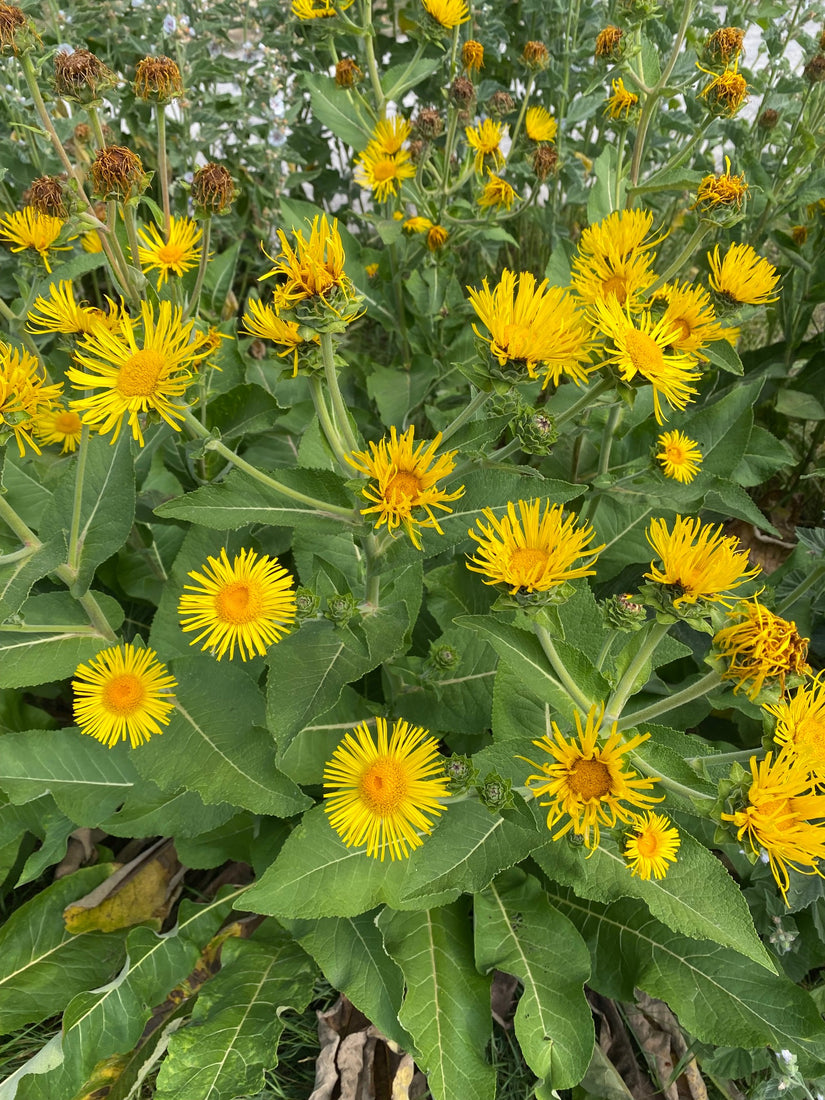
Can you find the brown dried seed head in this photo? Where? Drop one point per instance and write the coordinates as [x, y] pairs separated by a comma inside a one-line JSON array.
[[462, 91], [545, 160], [429, 124], [81, 76], [117, 172], [815, 69], [769, 118], [501, 103], [158, 78], [82, 133], [213, 189], [608, 41], [12, 20], [47, 195], [536, 55], [347, 73]]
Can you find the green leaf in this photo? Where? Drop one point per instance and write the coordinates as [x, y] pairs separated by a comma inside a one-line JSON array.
[[244, 410], [17, 578], [723, 427], [723, 354], [148, 811], [412, 74], [220, 751], [434, 951], [333, 107], [218, 279], [350, 952], [107, 507], [461, 697], [518, 931], [42, 966], [764, 455], [798, 405], [602, 195], [729, 500], [44, 820]]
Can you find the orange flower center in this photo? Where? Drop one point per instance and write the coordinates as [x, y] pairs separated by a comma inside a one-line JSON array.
[[403, 488], [617, 286], [525, 561], [384, 170], [645, 354], [675, 453], [648, 844], [239, 602], [67, 423], [170, 254], [590, 779], [138, 377], [123, 694], [684, 328], [383, 786]]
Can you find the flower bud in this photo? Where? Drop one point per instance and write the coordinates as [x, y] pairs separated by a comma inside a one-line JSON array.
[[213, 190], [443, 657], [428, 124], [472, 56], [535, 431], [536, 56], [799, 234], [768, 119], [623, 613], [437, 238], [609, 42], [158, 79], [347, 73], [83, 133], [341, 608], [47, 194], [416, 148], [117, 173], [495, 793], [461, 772], [306, 603], [82, 77]]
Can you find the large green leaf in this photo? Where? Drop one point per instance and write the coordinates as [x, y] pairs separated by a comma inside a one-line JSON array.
[[42, 966], [149, 811], [237, 1021], [334, 108], [723, 427], [17, 578], [518, 931], [447, 1005]]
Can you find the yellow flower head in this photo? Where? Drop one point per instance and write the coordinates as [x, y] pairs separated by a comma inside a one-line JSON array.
[[587, 782], [447, 13], [722, 190], [619, 235], [390, 134], [249, 604], [318, 9], [537, 327], [59, 425], [539, 124], [680, 456], [485, 139], [652, 843], [621, 102], [403, 482], [313, 271], [608, 41], [689, 309], [643, 346], [759, 646], [123, 690], [698, 563], [531, 552], [23, 395], [385, 794], [28, 228], [263, 321], [782, 817], [91, 242], [437, 238], [725, 43], [472, 56], [383, 173], [141, 367], [497, 192], [727, 91], [418, 225], [175, 256], [615, 258], [59, 312], [800, 725], [742, 277]]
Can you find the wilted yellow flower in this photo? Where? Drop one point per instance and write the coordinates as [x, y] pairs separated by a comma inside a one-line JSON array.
[[347, 73], [621, 102], [652, 843], [539, 124], [743, 277], [472, 56], [680, 456], [608, 41], [24, 395], [497, 192], [123, 690], [449, 13], [722, 190], [760, 646], [28, 228], [175, 255], [727, 91], [158, 78], [535, 55], [800, 725], [725, 43], [263, 321], [313, 271], [437, 238], [698, 562], [485, 139]]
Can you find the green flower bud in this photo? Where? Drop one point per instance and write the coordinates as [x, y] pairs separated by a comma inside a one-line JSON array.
[[535, 431], [443, 657], [341, 608], [306, 603], [495, 793], [461, 772], [621, 612]]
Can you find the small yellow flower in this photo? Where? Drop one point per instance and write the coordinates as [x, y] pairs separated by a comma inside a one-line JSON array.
[[698, 563], [313, 271], [531, 552], [448, 13], [249, 604], [404, 483], [485, 139], [59, 425], [727, 91], [539, 124], [91, 242], [472, 56], [263, 321], [28, 228], [437, 238], [760, 646], [621, 102], [390, 134], [497, 192], [680, 456], [123, 690], [175, 256], [588, 783], [371, 270], [318, 9], [385, 794], [59, 312], [689, 310], [722, 190], [651, 845], [23, 395], [418, 225], [743, 277], [800, 725]]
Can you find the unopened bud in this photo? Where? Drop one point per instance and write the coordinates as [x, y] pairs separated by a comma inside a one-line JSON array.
[[622, 612], [461, 772], [768, 119], [341, 608], [536, 432], [306, 603], [799, 234], [495, 793], [443, 657]]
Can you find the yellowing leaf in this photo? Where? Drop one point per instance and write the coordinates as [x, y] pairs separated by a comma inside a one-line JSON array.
[[141, 891]]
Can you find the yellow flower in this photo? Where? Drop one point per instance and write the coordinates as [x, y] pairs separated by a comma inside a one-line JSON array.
[[59, 425], [175, 256], [313, 271], [782, 817], [689, 310], [587, 782], [27, 228], [622, 101], [800, 724], [652, 844], [249, 604], [619, 235], [532, 552], [680, 456], [318, 9], [123, 690], [608, 41], [437, 238], [615, 258], [727, 91], [23, 395], [698, 563], [371, 270], [385, 794], [383, 173], [539, 124], [759, 646], [418, 225], [449, 13], [485, 139], [141, 367], [743, 277], [726, 43], [390, 134], [91, 241], [472, 56], [643, 346], [59, 312], [404, 482], [263, 321], [722, 190], [536, 326], [497, 192]]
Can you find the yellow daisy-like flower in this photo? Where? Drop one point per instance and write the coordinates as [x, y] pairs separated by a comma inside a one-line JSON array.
[[404, 482], [449, 13], [698, 563], [318, 9], [539, 124], [249, 604], [531, 552], [651, 846], [534, 326], [742, 277], [497, 192], [418, 225], [679, 456], [644, 346], [621, 102], [689, 309], [615, 258], [782, 817], [385, 794], [313, 271], [175, 256], [123, 691], [390, 134], [472, 56], [60, 312], [760, 646], [588, 783], [383, 173], [727, 91], [140, 367], [722, 190], [800, 724], [59, 425], [28, 228], [263, 321], [437, 238], [619, 235], [91, 242], [24, 395], [486, 139]]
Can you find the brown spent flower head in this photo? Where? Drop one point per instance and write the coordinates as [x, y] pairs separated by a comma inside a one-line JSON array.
[[17, 33], [472, 56], [462, 91], [47, 194], [81, 76], [213, 190], [500, 104], [609, 42], [545, 161], [726, 43], [768, 119], [347, 73], [83, 133], [799, 234], [814, 71], [416, 149], [429, 123], [536, 56], [158, 78], [117, 173]]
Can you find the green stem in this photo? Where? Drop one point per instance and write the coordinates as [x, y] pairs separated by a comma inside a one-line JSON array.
[[449, 143], [608, 435], [681, 155], [372, 67], [398, 87], [531, 83], [327, 425], [584, 402], [467, 413], [193, 305], [130, 220], [48, 628], [801, 589], [603, 652], [77, 503], [569, 684], [698, 235], [29, 539], [372, 551], [97, 128], [18, 555], [163, 169], [339, 408], [654, 633], [695, 691]]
